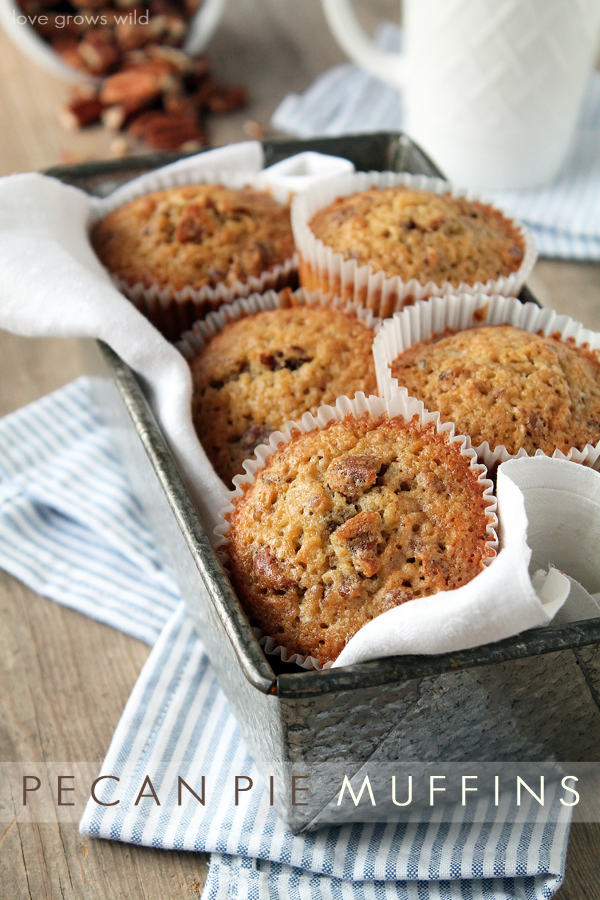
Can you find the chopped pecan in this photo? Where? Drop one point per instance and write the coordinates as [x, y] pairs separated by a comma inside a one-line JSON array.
[[181, 105], [134, 89], [427, 219], [436, 569], [166, 132], [80, 111], [266, 566], [394, 597], [167, 29], [195, 223], [279, 360], [226, 98], [133, 35], [350, 475], [360, 535], [271, 360], [98, 51], [114, 117]]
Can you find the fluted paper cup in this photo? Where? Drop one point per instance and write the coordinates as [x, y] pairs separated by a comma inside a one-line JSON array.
[[322, 268], [457, 312]]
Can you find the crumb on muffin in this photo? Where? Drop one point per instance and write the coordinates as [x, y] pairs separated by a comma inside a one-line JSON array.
[[264, 370], [195, 236], [421, 235], [349, 521], [503, 385]]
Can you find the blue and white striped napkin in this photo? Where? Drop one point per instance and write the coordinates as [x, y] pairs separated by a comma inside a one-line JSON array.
[[564, 216], [70, 528]]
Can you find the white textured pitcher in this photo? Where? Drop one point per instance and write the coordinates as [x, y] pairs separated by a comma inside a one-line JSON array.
[[492, 88]]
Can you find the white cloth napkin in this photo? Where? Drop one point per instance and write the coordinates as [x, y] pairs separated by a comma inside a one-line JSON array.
[[564, 216], [52, 284]]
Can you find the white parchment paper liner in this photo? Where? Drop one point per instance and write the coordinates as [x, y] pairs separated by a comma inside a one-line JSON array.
[[321, 267], [172, 312], [458, 311], [193, 341], [562, 504], [400, 405]]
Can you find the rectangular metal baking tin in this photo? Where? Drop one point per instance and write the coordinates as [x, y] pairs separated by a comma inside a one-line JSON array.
[[532, 697]]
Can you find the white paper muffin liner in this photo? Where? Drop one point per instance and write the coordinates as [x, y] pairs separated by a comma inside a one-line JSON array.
[[321, 267], [173, 312], [399, 405], [193, 341], [459, 311]]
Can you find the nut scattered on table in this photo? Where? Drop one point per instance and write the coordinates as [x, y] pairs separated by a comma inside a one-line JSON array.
[[144, 83]]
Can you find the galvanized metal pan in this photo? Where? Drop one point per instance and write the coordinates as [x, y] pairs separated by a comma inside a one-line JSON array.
[[532, 697]]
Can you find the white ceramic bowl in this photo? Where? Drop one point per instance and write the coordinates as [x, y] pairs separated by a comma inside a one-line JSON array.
[[201, 29]]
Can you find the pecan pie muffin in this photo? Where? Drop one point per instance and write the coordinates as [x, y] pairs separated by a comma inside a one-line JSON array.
[[263, 370], [197, 236], [420, 234], [506, 386], [346, 522]]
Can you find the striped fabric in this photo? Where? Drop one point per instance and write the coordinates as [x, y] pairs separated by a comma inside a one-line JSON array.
[[177, 723], [70, 528], [564, 217]]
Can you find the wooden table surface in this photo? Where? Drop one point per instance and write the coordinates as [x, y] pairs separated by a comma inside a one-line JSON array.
[[64, 679]]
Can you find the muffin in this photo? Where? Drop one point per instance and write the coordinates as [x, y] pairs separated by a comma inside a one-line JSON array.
[[421, 235], [387, 239], [263, 370], [507, 386], [350, 520], [212, 242]]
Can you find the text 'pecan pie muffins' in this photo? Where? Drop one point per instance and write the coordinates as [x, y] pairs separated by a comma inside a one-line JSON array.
[[183, 251], [388, 239], [517, 379], [269, 366], [349, 520]]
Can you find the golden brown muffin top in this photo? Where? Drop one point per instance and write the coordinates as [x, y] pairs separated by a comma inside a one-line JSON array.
[[199, 235], [503, 385], [422, 235], [264, 370], [347, 522]]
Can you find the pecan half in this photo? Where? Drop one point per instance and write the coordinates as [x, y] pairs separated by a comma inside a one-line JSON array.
[[166, 132], [350, 475], [266, 566], [134, 89]]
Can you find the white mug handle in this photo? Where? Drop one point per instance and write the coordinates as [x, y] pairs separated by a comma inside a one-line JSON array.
[[390, 67], [203, 25]]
